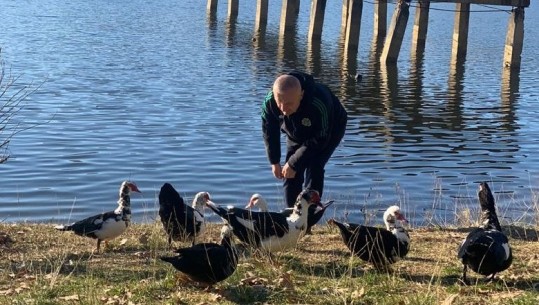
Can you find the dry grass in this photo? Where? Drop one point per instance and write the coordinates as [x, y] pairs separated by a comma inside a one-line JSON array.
[[44, 266]]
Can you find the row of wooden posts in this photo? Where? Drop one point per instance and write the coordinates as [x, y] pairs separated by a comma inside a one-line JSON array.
[[351, 23]]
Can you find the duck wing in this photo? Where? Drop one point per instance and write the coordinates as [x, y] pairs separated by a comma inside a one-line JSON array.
[[88, 226], [251, 227]]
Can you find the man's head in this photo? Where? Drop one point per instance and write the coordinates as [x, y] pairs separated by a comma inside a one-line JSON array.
[[287, 93]]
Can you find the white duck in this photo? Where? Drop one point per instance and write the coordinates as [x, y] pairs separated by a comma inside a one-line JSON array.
[[270, 231], [108, 225], [314, 214]]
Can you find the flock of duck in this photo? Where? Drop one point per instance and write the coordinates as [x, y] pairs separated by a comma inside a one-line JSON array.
[[485, 250]]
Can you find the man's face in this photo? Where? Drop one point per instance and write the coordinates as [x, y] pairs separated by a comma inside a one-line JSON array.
[[288, 101]]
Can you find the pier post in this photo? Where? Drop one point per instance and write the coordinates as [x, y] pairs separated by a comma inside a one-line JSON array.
[[419, 33], [353, 25], [232, 9], [261, 20], [393, 41], [380, 19], [288, 16], [460, 31], [515, 39], [316, 24], [344, 15], [212, 7]]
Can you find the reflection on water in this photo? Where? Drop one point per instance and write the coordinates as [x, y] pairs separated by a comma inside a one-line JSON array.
[[421, 133]]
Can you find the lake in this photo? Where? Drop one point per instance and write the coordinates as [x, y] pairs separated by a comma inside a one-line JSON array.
[[158, 91]]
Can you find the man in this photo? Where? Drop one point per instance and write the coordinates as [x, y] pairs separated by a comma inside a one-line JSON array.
[[314, 122]]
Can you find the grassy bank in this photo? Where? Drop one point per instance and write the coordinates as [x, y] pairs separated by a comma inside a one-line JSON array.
[[40, 265]]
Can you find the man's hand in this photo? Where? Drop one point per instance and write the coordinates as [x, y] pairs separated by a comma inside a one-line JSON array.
[[277, 171], [288, 172]]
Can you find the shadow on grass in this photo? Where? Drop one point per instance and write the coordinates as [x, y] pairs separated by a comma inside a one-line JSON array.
[[419, 259], [243, 294], [514, 232], [455, 279], [331, 269]]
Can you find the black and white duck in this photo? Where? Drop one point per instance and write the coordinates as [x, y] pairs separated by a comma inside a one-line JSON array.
[[270, 231], [180, 221], [207, 263], [486, 249], [109, 225], [379, 246], [314, 214]]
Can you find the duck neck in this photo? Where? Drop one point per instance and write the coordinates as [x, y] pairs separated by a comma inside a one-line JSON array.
[[124, 203], [398, 230], [489, 220], [299, 216]]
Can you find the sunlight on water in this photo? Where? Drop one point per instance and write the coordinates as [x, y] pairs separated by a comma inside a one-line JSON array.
[[160, 92]]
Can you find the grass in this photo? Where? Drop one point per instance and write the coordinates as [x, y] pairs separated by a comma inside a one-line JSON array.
[[44, 266]]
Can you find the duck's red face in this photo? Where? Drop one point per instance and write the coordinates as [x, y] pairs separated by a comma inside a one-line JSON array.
[[312, 197], [252, 202], [133, 187]]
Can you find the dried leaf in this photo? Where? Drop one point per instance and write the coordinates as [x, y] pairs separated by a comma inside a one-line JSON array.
[[358, 294], [6, 292], [450, 299], [123, 241], [74, 297]]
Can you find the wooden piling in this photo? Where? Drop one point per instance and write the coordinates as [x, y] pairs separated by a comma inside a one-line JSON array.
[[288, 16], [421, 21], [212, 7], [261, 20], [380, 19], [232, 9], [393, 41], [353, 25], [344, 15], [318, 8], [460, 31], [514, 40]]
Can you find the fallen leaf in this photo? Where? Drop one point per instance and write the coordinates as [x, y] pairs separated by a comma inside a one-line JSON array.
[[74, 297], [123, 241], [357, 294], [450, 299], [6, 292]]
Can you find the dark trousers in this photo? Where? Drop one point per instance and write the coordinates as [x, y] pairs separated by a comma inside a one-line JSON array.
[[313, 172]]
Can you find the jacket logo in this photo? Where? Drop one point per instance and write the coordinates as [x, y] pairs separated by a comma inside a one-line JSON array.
[[306, 122]]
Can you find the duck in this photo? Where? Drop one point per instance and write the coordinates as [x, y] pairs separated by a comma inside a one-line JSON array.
[[378, 246], [109, 225], [314, 214], [207, 263], [485, 249], [269, 231], [180, 221]]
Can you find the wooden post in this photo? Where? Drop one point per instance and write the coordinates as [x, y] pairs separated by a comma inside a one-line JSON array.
[[393, 41], [419, 34], [212, 7], [344, 15], [261, 15], [380, 19], [509, 92], [353, 25], [514, 40], [288, 16], [460, 31], [232, 9], [318, 8]]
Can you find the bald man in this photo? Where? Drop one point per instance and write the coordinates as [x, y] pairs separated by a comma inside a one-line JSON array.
[[314, 122]]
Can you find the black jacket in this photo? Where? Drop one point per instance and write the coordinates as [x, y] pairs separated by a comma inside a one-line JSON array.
[[319, 116]]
